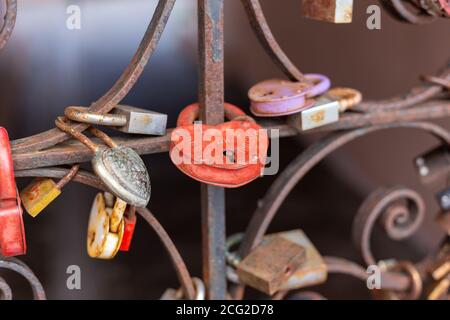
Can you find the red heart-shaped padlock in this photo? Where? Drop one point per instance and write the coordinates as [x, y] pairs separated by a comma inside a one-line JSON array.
[[12, 233], [229, 155]]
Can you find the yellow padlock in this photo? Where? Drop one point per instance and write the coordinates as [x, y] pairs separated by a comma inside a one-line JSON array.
[[106, 228], [43, 191]]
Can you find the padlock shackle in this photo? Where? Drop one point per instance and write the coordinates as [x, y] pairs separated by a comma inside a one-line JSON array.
[[347, 97], [104, 137], [82, 114], [8, 188], [192, 112], [68, 177]]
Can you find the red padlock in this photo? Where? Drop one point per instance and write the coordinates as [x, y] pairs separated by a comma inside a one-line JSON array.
[[228, 155], [12, 232], [130, 225]]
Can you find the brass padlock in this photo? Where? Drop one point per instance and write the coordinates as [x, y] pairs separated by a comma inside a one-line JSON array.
[[43, 191], [271, 263], [123, 118], [336, 11], [105, 229]]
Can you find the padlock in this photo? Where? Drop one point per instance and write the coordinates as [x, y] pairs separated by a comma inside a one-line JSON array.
[[443, 199], [172, 294], [234, 157], [41, 192], [433, 168], [326, 109], [347, 97], [275, 97], [124, 118], [12, 232], [271, 263], [336, 11], [130, 225], [105, 228], [120, 168], [312, 271]]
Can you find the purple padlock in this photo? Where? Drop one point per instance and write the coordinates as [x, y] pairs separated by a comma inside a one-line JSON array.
[[276, 97], [320, 84]]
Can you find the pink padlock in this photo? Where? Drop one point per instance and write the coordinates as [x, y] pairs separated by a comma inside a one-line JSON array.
[[276, 97], [12, 232], [320, 84]]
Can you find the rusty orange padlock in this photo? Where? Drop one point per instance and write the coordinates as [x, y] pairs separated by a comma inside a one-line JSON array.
[[230, 154], [12, 232]]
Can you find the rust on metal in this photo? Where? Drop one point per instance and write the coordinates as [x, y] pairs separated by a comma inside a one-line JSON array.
[[271, 264]]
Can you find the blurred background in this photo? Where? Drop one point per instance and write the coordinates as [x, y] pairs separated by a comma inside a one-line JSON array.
[[46, 67]]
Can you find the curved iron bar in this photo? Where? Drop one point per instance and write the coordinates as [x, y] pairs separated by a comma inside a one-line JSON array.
[[392, 281], [299, 167], [9, 22], [402, 211], [91, 180], [21, 268], [414, 96], [267, 39], [118, 91]]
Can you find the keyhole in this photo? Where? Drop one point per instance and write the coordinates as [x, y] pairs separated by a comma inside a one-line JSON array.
[[230, 155]]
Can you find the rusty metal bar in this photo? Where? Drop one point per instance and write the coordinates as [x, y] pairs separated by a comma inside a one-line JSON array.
[[74, 152], [267, 39], [211, 99], [9, 22], [117, 92]]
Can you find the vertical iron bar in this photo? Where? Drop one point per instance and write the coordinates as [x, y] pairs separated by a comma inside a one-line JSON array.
[[211, 99]]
